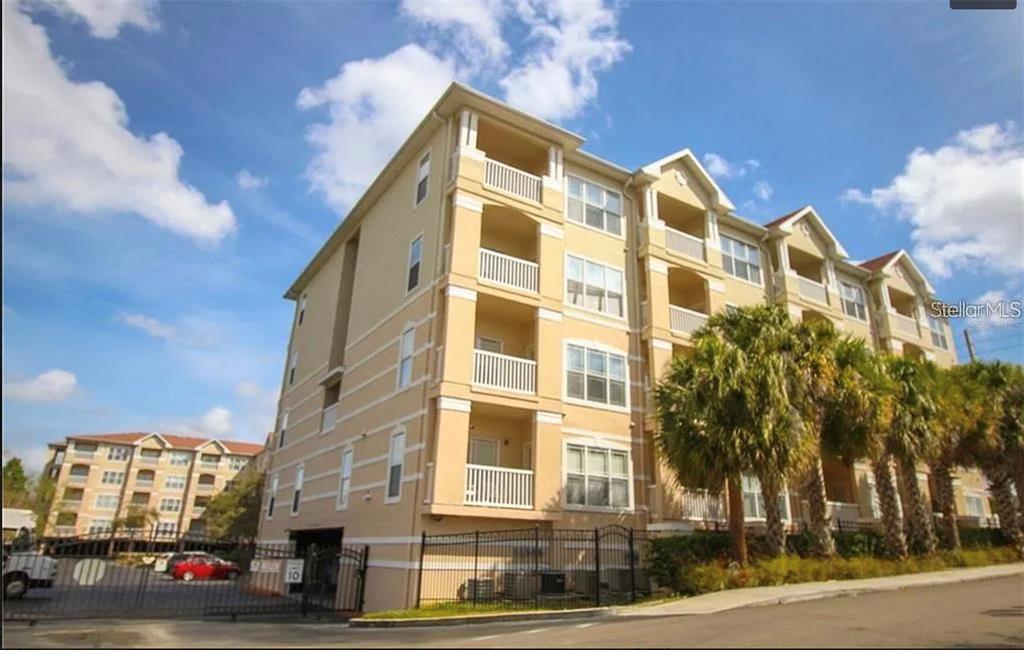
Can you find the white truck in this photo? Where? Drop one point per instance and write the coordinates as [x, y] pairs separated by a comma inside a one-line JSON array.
[[24, 567]]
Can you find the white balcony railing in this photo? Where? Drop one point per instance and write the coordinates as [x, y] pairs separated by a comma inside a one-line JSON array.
[[499, 487], [505, 372], [685, 320], [64, 531], [905, 324], [148, 460], [507, 270], [78, 478], [842, 513], [511, 180], [813, 290], [330, 418], [684, 244], [702, 505]]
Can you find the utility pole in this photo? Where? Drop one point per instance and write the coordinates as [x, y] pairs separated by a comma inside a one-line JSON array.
[[970, 344]]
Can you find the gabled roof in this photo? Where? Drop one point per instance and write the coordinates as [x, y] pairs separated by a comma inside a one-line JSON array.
[[786, 221], [883, 263], [654, 168], [173, 441]]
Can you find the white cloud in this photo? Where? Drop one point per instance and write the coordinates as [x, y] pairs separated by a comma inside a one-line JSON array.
[[472, 26], [374, 104], [249, 181], [67, 144], [106, 17], [763, 190], [570, 42], [216, 422], [719, 167], [51, 386], [150, 325], [965, 201], [999, 316]]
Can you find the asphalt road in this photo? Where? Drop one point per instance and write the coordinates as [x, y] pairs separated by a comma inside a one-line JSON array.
[[987, 613]]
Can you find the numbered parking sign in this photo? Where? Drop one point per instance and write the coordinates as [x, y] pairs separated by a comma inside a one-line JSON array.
[[293, 571]]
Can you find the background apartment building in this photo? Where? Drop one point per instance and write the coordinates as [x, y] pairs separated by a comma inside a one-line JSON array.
[[100, 477], [474, 346]]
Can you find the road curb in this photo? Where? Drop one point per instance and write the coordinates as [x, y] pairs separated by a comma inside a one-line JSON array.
[[474, 619]]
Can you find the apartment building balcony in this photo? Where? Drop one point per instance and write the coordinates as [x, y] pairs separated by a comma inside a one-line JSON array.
[[812, 290], [810, 275], [499, 458], [685, 229], [508, 249], [688, 301], [499, 487], [842, 515], [902, 314], [513, 163], [64, 531], [329, 418], [79, 474], [504, 346], [703, 505], [504, 371]]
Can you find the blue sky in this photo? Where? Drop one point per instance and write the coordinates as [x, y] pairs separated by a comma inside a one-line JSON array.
[[143, 273]]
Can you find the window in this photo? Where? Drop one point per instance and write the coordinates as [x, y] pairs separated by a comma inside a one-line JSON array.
[[300, 473], [422, 178], [180, 458], [166, 528], [291, 368], [405, 360], [596, 376], [145, 476], [170, 505], [72, 494], [210, 459], [345, 483], [488, 344], [112, 478], [140, 499], [79, 472], [483, 451], [207, 480], [237, 463], [284, 429], [741, 260], [85, 449], [938, 333], [853, 301], [149, 454], [174, 482], [593, 286], [415, 257], [596, 477], [594, 206], [396, 456], [106, 502], [753, 500], [67, 518], [302, 309], [273, 497], [975, 505], [97, 526], [119, 453]]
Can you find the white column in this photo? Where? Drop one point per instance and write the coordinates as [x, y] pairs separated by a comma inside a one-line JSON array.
[[711, 230], [468, 125], [830, 274], [555, 167], [783, 253]]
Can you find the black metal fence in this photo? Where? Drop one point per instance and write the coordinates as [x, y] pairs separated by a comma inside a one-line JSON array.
[[152, 576], [535, 568]]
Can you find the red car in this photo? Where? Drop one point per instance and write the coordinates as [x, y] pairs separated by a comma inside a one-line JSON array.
[[205, 567]]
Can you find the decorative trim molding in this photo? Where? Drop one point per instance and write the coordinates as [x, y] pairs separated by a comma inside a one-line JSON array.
[[460, 292], [552, 231], [657, 266], [548, 417], [717, 286], [472, 152], [471, 203], [549, 314], [453, 404], [661, 344]]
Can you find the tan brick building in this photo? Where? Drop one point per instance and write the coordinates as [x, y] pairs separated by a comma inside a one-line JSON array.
[[473, 348]]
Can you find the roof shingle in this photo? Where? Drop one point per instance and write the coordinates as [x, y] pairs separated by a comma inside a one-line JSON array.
[[174, 440]]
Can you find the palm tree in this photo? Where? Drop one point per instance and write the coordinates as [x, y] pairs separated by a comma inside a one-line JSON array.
[[855, 427], [910, 440], [1011, 431], [725, 411]]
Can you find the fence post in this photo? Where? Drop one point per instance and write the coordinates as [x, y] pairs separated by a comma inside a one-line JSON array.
[[536, 567], [362, 577], [597, 566], [476, 564], [307, 571], [419, 586], [632, 567]]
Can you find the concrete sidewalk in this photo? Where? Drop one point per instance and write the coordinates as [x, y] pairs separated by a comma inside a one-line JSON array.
[[721, 601]]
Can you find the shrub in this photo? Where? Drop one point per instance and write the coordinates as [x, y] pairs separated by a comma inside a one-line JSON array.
[[668, 554], [981, 537]]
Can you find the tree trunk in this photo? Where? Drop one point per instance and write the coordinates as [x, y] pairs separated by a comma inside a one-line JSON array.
[[917, 513], [889, 503], [817, 503], [737, 525], [1018, 481], [775, 531], [942, 473], [1006, 506]]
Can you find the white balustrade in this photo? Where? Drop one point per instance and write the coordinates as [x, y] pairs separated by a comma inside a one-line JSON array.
[[511, 180], [906, 324], [507, 270], [504, 371], [685, 320], [813, 290], [684, 244], [838, 511], [499, 487], [703, 505]]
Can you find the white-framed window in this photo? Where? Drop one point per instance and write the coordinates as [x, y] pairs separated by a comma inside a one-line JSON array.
[[594, 375], [593, 286], [853, 301], [181, 458], [112, 478], [974, 505], [741, 259], [396, 459], [753, 500], [422, 178], [237, 463], [301, 315], [938, 333], [345, 482], [106, 501], [405, 357], [292, 365], [488, 344], [273, 497], [170, 505], [483, 451], [98, 526], [166, 528], [412, 279], [150, 454], [119, 452], [174, 482], [300, 475], [284, 430], [596, 476], [595, 206]]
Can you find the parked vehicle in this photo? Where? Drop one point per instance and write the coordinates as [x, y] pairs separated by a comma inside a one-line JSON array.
[[165, 562], [24, 567], [205, 567]]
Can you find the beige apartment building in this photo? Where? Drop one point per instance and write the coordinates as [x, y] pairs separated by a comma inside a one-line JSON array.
[[100, 477], [474, 347]]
